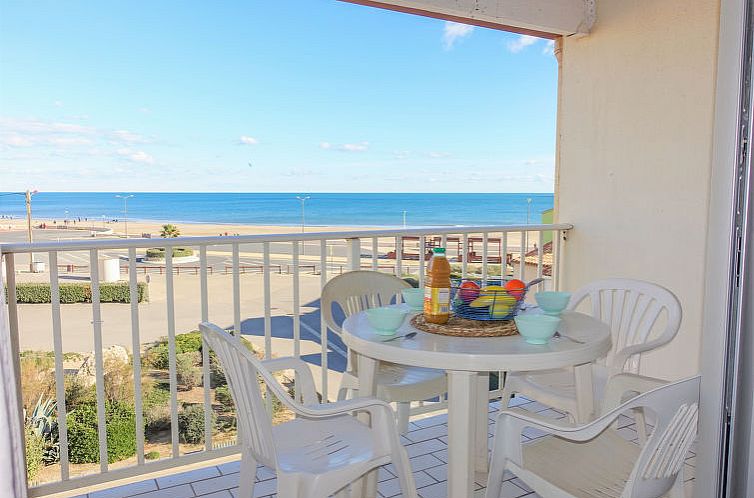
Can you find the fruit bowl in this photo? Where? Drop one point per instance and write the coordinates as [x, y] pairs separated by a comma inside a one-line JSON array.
[[497, 300]]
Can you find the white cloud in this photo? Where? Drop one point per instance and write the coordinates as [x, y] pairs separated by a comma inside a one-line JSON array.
[[549, 48], [454, 31], [137, 156], [58, 103], [359, 147], [352, 147], [531, 162], [439, 155], [129, 137], [247, 140], [520, 43]]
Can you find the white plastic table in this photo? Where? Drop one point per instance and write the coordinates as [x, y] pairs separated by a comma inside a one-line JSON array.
[[468, 362]]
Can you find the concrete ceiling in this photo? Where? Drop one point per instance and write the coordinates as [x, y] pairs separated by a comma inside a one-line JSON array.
[[544, 18]]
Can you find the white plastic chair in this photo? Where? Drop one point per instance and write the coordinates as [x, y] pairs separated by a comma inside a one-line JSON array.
[[593, 460], [325, 448], [356, 291], [632, 309]]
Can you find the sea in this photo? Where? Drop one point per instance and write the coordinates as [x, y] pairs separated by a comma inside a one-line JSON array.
[[320, 209]]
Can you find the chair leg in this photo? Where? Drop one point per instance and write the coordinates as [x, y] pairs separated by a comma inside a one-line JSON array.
[[403, 412], [495, 476], [248, 475], [641, 425], [290, 487], [677, 490], [505, 397], [405, 476]]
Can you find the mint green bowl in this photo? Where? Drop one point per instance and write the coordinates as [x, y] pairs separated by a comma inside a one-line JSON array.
[[386, 320], [537, 329], [414, 298], [552, 302]]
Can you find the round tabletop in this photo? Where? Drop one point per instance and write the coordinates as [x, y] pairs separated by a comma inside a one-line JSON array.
[[582, 340]]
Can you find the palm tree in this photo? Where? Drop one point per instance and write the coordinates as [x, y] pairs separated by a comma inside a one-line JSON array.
[[169, 231]]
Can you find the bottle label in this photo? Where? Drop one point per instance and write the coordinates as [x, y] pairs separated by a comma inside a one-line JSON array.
[[436, 301]]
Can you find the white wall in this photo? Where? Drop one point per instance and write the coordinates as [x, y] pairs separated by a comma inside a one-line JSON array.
[[635, 139]]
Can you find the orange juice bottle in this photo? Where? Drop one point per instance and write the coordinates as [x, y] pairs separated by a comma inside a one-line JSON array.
[[437, 288]]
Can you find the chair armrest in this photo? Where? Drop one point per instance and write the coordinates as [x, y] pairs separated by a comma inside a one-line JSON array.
[[619, 385], [620, 359], [510, 425], [373, 406], [304, 379]]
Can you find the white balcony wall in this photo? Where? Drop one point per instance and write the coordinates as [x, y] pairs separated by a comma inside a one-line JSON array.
[[635, 138]]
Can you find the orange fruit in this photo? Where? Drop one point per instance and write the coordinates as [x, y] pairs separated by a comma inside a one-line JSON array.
[[515, 288]]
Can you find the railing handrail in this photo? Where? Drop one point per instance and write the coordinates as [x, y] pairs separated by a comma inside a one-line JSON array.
[[81, 245]]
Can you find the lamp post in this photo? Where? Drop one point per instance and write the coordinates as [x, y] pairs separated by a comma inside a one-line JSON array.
[[28, 195], [404, 218], [125, 209], [528, 209], [303, 200]]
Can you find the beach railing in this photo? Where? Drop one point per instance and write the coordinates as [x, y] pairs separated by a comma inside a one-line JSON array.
[[311, 259]]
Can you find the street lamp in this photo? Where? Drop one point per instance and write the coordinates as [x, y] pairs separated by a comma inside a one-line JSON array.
[[404, 218], [28, 195], [303, 200], [125, 209], [528, 209]]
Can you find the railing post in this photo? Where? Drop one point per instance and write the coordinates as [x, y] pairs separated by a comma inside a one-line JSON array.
[[353, 258], [13, 340]]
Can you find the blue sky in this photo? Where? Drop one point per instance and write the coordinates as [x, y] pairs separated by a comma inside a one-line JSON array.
[[318, 95]]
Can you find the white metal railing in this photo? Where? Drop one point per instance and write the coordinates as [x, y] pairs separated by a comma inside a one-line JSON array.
[[327, 252]]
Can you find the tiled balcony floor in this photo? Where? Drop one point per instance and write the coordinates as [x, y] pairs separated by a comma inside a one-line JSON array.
[[426, 443]]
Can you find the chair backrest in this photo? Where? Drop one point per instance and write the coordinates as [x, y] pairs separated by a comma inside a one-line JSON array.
[[676, 410], [356, 291], [241, 370], [631, 308]]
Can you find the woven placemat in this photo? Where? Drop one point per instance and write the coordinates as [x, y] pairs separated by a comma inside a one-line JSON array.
[[463, 327]]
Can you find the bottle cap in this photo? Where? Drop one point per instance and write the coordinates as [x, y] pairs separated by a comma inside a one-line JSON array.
[[439, 250]]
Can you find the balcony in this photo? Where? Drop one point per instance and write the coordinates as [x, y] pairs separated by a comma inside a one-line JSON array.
[[266, 287]]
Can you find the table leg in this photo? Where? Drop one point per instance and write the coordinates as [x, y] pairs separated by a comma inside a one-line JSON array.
[[462, 392], [482, 421], [367, 486], [584, 392]]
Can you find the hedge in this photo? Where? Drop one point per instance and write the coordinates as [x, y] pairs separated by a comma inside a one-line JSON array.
[[83, 442], [78, 292], [178, 252]]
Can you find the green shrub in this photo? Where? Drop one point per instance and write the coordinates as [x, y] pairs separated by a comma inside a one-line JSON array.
[[152, 455], [78, 292], [223, 396], [187, 372], [156, 355], [156, 407], [191, 424], [34, 452], [119, 380], [83, 443], [178, 252], [77, 392]]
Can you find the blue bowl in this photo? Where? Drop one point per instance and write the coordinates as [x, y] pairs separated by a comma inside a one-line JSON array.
[[537, 329], [414, 298], [551, 302], [386, 320]]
